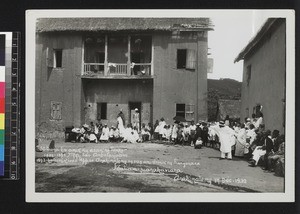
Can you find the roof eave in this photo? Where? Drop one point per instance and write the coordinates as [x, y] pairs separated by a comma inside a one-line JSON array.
[[122, 30], [254, 41]]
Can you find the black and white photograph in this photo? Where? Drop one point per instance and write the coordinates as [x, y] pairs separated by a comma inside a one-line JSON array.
[[161, 105]]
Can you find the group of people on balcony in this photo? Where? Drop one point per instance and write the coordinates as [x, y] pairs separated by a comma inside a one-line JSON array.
[[118, 69]]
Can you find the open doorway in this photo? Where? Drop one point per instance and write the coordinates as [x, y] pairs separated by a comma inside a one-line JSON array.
[[132, 107]]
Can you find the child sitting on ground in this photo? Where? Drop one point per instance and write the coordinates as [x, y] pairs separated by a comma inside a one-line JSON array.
[[145, 133], [198, 143], [167, 133], [114, 134]]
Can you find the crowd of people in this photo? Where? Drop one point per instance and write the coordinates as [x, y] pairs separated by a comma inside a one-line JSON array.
[[178, 133], [250, 140], [247, 140]]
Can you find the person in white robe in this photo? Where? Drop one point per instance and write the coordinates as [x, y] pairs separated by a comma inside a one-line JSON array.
[[257, 153], [259, 121], [186, 132], [226, 135], [114, 134], [132, 136], [192, 133], [250, 134], [93, 138], [174, 132], [136, 119], [105, 133], [127, 133], [161, 125], [167, 133], [260, 151], [120, 126], [136, 137], [96, 129], [247, 123], [241, 143]]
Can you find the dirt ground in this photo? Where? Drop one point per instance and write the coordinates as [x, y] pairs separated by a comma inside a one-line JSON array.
[[145, 167]]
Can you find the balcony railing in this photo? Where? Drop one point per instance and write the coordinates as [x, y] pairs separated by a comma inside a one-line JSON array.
[[93, 68], [116, 69]]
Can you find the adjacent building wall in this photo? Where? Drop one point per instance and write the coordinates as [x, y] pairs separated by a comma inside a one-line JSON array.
[[267, 84]]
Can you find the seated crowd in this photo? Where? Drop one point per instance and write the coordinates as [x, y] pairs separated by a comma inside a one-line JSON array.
[[250, 139], [259, 146]]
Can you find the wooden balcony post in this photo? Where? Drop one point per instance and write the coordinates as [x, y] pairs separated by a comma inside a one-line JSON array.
[[129, 58], [82, 58], [152, 57], [105, 58]]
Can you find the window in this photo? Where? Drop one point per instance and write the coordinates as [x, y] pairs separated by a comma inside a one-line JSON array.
[[186, 58], [181, 58], [180, 110], [101, 111], [186, 111], [248, 74], [57, 58], [55, 110]]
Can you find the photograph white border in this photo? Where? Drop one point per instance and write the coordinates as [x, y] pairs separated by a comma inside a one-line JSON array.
[[31, 196]]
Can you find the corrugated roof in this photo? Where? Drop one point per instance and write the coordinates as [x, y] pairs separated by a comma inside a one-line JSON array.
[[122, 24], [255, 40]]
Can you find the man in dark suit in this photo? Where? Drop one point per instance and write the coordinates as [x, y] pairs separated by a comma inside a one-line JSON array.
[[270, 148], [276, 140]]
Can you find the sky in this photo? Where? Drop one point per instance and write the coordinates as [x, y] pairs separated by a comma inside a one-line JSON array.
[[231, 34]]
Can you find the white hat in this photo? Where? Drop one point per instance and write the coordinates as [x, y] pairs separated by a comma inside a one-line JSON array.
[[136, 109]]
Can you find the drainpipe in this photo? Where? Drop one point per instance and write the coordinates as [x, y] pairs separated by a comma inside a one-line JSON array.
[[197, 87]]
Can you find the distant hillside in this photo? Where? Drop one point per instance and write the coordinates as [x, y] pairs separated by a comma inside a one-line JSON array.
[[227, 88], [223, 89]]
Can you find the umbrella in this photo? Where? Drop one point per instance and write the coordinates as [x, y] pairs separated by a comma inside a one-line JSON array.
[[179, 118]]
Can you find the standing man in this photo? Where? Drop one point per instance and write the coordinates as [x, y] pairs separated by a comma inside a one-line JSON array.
[[225, 135], [136, 119], [121, 123], [192, 133], [122, 116]]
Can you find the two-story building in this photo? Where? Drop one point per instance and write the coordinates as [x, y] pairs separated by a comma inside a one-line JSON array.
[[88, 69]]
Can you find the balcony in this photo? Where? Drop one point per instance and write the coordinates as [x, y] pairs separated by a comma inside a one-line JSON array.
[[117, 56], [117, 70]]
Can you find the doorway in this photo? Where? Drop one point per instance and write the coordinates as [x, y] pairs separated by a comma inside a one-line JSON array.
[[132, 107]]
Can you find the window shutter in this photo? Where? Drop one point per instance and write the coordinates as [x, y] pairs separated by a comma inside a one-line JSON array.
[[49, 57], [190, 112], [191, 59], [56, 110]]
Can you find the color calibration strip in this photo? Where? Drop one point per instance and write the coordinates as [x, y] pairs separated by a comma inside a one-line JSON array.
[[12, 112], [9, 105], [2, 102]]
